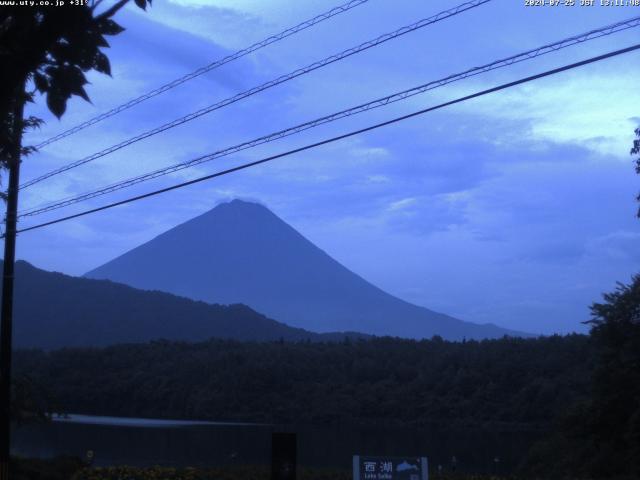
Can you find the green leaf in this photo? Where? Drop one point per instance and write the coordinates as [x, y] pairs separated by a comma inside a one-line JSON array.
[[74, 80], [81, 92], [57, 103], [109, 27], [31, 122], [101, 41], [41, 82], [101, 63]]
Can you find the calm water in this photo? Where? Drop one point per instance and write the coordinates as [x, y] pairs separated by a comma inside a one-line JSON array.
[[144, 442]]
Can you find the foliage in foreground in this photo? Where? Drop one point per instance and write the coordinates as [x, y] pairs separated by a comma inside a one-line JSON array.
[[73, 469], [600, 436], [512, 383], [237, 473], [60, 468]]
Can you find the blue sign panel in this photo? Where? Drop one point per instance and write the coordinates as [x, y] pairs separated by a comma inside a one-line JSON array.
[[390, 468]]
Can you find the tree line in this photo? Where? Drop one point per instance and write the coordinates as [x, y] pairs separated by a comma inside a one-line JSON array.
[[510, 382]]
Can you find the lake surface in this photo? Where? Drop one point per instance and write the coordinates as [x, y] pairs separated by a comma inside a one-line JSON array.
[[145, 442]]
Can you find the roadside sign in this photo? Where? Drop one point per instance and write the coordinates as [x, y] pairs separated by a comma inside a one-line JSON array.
[[390, 468]]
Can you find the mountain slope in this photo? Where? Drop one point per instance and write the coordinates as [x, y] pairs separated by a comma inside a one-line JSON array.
[[53, 310], [240, 252]]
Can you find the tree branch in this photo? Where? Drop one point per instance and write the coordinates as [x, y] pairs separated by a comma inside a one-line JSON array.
[[113, 10], [96, 4]]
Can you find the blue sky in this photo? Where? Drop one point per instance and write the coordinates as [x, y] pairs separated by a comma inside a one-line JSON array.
[[516, 208]]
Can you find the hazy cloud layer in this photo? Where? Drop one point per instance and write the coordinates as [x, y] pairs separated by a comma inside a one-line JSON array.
[[517, 208]]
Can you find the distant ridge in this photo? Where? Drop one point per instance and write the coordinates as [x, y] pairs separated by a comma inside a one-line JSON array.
[[53, 310], [240, 252]]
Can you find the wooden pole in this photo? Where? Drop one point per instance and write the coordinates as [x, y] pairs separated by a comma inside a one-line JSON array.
[[6, 308]]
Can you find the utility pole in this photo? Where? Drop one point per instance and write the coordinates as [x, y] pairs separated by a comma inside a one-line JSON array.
[[6, 310]]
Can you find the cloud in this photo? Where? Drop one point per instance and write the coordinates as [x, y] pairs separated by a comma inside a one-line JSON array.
[[370, 152], [516, 209], [378, 179], [581, 109], [215, 21], [616, 246], [401, 205]]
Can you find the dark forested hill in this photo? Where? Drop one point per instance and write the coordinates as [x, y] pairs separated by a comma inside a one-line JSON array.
[[240, 252], [53, 310], [511, 383]]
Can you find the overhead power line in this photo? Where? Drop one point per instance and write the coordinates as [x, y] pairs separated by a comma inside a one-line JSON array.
[[207, 68], [340, 137], [272, 83], [395, 97]]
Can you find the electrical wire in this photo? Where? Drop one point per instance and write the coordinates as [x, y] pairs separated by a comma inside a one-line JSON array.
[[395, 97], [272, 83], [207, 68], [339, 137]]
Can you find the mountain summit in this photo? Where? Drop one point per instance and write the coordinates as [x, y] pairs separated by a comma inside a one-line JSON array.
[[240, 252]]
